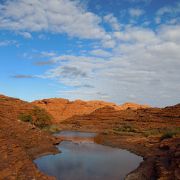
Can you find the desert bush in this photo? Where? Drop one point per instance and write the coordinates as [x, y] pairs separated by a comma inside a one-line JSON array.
[[25, 117], [41, 117], [37, 116], [125, 128], [168, 135], [151, 132], [162, 131], [52, 128]]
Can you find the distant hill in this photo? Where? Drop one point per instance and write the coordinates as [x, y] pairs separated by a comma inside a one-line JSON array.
[[62, 109], [107, 118]]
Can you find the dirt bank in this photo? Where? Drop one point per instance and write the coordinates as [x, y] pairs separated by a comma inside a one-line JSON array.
[[20, 143]]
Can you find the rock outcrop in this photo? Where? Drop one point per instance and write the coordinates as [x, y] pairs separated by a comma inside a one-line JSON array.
[[142, 119], [150, 132], [20, 142], [62, 109], [153, 133]]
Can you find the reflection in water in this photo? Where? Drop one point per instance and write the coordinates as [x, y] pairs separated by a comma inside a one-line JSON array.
[[88, 161], [75, 134]]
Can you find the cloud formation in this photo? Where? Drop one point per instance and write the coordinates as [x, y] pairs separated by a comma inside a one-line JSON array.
[[110, 19], [136, 12], [100, 53], [143, 61], [8, 43], [170, 14], [59, 16], [23, 76], [44, 63], [129, 63], [140, 1]]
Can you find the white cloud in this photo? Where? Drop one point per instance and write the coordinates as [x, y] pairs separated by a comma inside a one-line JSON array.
[[140, 1], [76, 94], [42, 37], [47, 54], [108, 43], [145, 70], [8, 43], [25, 35], [136, 12], [157, 20], [75, 58], [59, 16], [142, 65], [170, 33], [169, 9], [100, 53], [112, 21], [136, 34], [172, 12]]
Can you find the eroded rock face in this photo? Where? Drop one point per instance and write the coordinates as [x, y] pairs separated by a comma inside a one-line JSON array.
[[140, 119], [62, 109], [120, 126], [20, 142], [132, 106], [138, 131]]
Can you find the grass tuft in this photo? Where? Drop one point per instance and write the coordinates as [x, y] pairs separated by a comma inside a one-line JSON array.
[[125, 128]]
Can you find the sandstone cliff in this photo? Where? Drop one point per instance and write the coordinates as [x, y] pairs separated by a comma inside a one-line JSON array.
[[62, 109], [20, 142]]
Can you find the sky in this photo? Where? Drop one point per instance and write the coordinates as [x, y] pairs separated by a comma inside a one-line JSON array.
[[112, 50]]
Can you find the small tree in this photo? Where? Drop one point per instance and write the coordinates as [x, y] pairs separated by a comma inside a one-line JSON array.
[[41, 117], [25, 117]]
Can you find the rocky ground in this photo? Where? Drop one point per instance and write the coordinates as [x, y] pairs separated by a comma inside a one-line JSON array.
[[153, 133], [20, 142]]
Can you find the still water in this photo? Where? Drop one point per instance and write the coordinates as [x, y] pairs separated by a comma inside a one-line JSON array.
[[85, 160]]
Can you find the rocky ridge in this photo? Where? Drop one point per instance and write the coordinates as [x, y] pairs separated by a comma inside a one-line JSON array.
[[62, 109], [153, 133], [149, 132]]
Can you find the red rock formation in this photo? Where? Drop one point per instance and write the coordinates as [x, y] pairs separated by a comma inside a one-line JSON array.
[[62, 109], [147, 132], [142, 119], [20, 142], [133, 106]]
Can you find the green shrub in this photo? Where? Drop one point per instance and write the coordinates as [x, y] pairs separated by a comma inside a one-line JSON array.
[[151, 132], [128, 128], [37, 116], [51, 128], [125, 128], [25, 117], [162, 131], [42, 118], [168, 135]]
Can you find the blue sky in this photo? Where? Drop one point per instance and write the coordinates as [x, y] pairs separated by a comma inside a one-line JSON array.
[[116, 51]]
